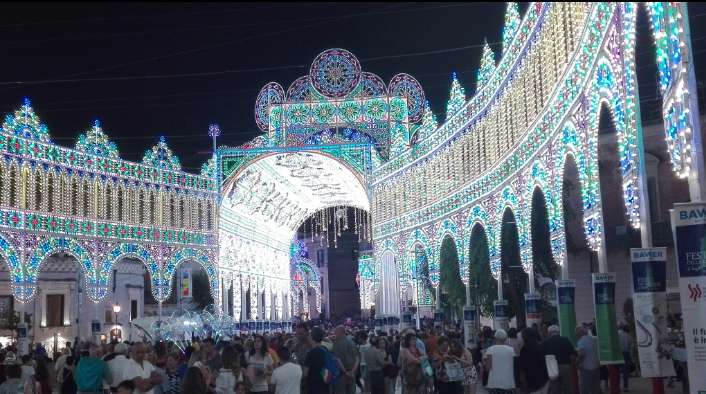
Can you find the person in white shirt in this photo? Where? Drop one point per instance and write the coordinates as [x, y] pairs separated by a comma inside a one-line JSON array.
[[62, 360], [117, 365], [141, 372], [287, 378], [27, 370], [229, 374], [500, 365]]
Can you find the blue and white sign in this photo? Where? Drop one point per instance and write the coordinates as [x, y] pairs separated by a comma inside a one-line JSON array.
[[689, 227], [649, 287]]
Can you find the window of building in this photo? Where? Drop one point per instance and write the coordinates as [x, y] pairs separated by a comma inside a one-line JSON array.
[[133, 310], [55, 310], [109, 316]]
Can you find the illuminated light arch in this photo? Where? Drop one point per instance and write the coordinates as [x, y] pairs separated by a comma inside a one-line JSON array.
[[14, 264], [448, 229], [417, 237], [385, 245], [128, 250], [604, 91], [190, 254], [61, 245], [478, 216]]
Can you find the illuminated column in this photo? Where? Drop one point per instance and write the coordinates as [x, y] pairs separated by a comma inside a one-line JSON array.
[[244, 299], [389, 290]]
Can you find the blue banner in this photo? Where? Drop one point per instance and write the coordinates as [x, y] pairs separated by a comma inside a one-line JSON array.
[[689, 227]]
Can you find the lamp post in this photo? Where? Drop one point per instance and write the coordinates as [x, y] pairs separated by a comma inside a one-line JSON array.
[[116, 310]]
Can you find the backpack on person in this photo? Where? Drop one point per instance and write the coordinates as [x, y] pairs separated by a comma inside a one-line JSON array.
[[331, 372]]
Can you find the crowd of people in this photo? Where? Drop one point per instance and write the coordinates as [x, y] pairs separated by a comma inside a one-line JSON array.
[[318, 358]]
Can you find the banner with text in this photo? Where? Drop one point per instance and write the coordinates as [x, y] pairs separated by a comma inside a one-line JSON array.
[[606, 322], [533, 308], [500, 318], [469, 326], [566, 299], [649, 287], [689, 226]]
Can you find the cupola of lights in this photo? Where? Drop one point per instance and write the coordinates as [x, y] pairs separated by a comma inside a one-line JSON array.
[[338, 102]]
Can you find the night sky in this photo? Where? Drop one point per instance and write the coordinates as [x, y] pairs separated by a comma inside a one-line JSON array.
[[80, 62]]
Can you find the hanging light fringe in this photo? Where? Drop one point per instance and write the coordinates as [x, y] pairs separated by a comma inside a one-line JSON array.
[[337, 216]]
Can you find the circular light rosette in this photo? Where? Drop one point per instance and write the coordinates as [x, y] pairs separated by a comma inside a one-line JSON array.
[[349, 111], [376, 109], [269, 95], [298, 114], [335, 73], [300, 90], [323, 112], [407, 87]]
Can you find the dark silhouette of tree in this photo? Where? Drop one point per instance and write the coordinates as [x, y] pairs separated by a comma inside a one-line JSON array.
[[484, 289], [201, 289], [513, 276], [9, 320], [450, 279], [542, 258]]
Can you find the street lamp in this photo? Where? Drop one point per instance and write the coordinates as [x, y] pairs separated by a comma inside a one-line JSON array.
[[116, 310]]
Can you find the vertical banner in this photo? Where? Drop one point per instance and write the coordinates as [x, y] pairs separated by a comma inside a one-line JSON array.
[[689, 224], [533, 308], [469, 326], [96, 331], [186, 282], [649, 287], [606, 322], [22, 341], [566, 300], [500, 319]]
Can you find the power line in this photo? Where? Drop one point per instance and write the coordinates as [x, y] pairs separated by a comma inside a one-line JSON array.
[[157, 16], [221, 44], [224, 26], [211, 73]]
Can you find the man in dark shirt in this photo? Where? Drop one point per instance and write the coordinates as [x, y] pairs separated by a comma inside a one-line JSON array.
[[213, 359], [565, 353], [313, 365]]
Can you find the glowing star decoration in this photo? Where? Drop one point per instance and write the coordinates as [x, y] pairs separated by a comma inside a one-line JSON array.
[[214, 131], [96, 142], [161, 156], [25, 123], [457, 100], [512, 24], [487, 66]]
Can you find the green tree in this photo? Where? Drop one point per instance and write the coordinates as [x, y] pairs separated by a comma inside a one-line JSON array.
[[201, 288], [484, 288], [513, 276], [9, 320], [450, 279], [567, 188], [542, 257]]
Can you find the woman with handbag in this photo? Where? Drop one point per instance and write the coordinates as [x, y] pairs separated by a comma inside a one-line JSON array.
[[390, 370], [533, 362], [411, 359], [470, 375], [444, 382]]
